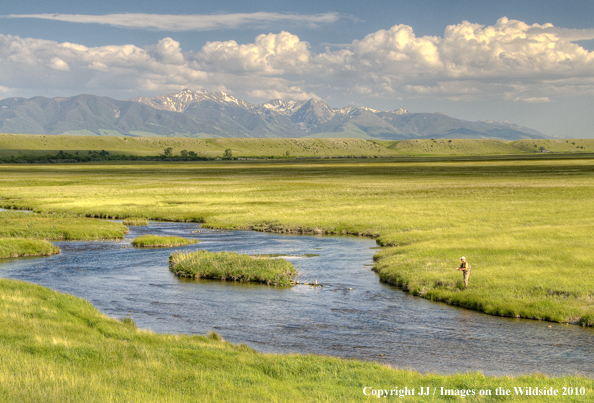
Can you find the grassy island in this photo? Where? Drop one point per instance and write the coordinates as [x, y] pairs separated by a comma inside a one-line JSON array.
[[232, 266], [156, 241], [21, 247], [135, 221]]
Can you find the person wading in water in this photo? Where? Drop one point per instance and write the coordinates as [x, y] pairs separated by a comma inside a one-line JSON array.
[[465, 268]]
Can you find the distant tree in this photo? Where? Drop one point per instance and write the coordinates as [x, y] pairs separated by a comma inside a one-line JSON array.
[[168, 152], [184, 153], [228, 154], [288, 154], [542, 149], [192, 154]]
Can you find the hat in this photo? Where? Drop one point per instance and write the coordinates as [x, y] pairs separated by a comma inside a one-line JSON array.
[[462, 258]]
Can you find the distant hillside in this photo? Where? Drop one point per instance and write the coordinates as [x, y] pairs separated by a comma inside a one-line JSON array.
[[218, 115], [26, 145]]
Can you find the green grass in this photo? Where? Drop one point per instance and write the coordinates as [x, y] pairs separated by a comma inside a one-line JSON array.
[[58, 348], [20, 247], [26, 234], [135, 221], [524, 226], [157, 241], [29, 144], [22, 144], [57, 227], [233, 267]]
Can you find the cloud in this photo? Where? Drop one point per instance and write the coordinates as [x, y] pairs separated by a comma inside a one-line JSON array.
[[269, 54], [470, 61], [512, 48], [398, 50], [163, 22], [533, 99], [510, 60], [38, 65]]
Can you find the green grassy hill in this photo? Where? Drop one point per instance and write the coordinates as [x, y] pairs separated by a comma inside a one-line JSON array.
[[556, 146], [30, 144], [23, 144]]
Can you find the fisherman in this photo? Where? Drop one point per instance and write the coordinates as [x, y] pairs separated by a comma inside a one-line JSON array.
[[465, 268]]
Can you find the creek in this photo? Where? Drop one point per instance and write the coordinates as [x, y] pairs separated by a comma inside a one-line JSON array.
[[353, 316]]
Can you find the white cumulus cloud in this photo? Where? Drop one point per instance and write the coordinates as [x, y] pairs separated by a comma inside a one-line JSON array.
[[510, 60], [269, 54]]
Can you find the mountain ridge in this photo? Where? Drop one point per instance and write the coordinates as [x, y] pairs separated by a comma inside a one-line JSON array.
[[204, 114]]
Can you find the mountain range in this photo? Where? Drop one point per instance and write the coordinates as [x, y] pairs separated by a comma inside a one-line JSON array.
[[205, 114]]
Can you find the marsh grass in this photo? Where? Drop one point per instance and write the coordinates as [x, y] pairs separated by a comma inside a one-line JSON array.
[[135, 221], [233, 267], [158, 241], [58, 348], [57, 227], [20, 247]]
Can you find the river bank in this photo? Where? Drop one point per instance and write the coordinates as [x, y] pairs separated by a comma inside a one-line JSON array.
[[58, 348]]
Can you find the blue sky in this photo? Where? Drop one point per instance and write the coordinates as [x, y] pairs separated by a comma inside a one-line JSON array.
[[530, 62]]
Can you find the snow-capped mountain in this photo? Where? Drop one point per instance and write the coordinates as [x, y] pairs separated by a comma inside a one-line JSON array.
[[205, 114]]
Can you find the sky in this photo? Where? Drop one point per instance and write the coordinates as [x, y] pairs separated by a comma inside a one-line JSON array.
[[529, 62]]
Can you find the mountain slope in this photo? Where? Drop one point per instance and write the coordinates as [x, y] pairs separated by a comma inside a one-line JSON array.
[[204, 114]]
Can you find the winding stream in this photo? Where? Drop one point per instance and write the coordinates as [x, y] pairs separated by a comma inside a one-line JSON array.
[[353, 316]]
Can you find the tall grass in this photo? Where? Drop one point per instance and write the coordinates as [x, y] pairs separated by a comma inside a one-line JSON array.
[[232, 266], [20, 247], [135, 221], [157, 241]]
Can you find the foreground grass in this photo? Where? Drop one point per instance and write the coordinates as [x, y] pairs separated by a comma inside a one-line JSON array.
[[232, 266], [20, 247], [58, 348], [157, 241], [525, 226]]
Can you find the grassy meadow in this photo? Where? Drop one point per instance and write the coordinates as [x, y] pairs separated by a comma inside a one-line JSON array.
[[232, 266], [524, 226], [157, 241], [57, 227]]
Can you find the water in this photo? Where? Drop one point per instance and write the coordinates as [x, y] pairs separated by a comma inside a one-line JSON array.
[[353, 316]]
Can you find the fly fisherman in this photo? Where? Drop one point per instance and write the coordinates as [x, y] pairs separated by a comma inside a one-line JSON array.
[[465, 268]]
